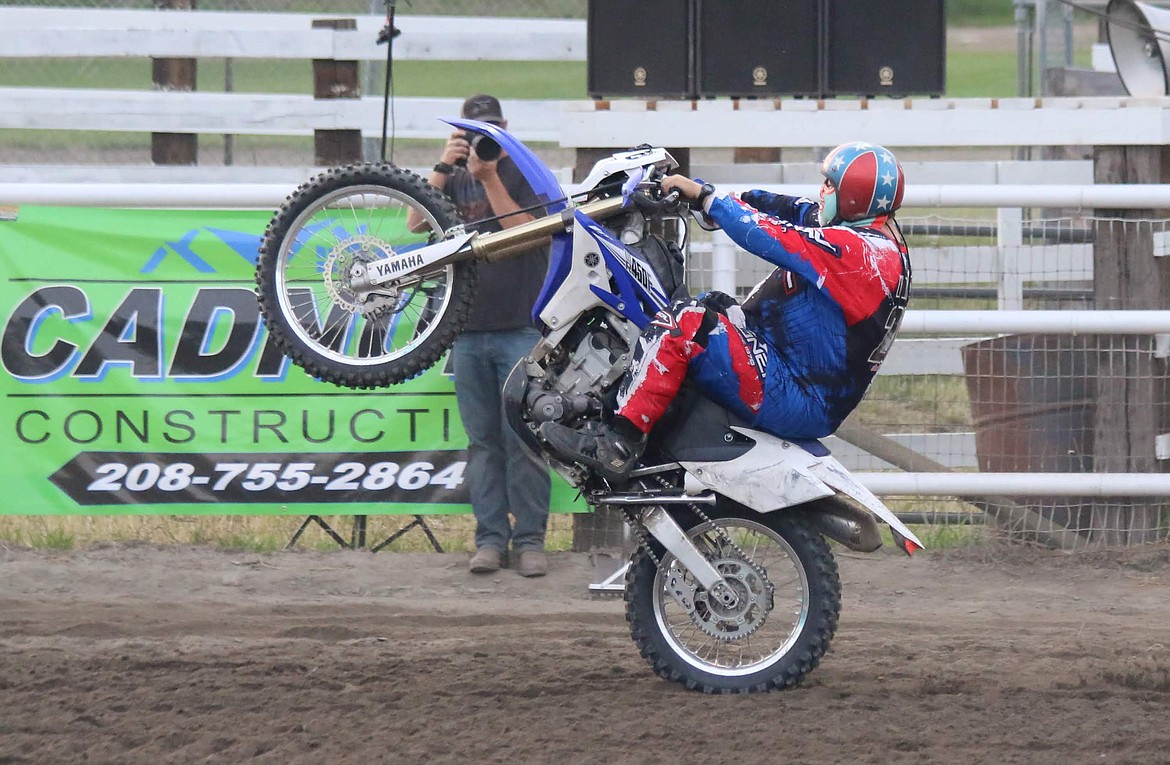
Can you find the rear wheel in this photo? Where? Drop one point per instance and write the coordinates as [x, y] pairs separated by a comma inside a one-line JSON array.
[[789, 599], [346, 217]]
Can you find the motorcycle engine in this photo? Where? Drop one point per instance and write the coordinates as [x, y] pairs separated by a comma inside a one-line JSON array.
[[578, 385]]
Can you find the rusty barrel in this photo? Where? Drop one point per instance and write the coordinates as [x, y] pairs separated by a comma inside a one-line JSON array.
[[1033, 404]]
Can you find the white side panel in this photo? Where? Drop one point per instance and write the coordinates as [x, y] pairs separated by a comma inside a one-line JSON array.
[[774, 474]]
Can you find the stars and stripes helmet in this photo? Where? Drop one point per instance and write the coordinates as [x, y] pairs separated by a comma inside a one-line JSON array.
[[867, 182]]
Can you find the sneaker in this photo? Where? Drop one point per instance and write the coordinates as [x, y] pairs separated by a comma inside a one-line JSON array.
[[532, 563], [606, 449], [485, 560]]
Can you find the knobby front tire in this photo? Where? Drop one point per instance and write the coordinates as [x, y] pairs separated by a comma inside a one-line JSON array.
[[347, 216]]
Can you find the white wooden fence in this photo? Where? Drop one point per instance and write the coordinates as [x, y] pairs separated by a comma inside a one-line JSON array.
[[77, 33], [73, 33]]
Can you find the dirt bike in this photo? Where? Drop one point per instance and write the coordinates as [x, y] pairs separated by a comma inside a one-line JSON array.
[[365, 277]]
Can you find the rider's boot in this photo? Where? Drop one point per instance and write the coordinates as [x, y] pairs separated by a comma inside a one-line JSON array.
[[610, 449]]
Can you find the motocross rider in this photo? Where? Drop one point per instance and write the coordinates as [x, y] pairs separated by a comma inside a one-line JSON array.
[[799, 354]]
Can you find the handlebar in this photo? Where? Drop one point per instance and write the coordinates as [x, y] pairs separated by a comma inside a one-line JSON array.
[[671, 204], [504, 244], [674, 204]]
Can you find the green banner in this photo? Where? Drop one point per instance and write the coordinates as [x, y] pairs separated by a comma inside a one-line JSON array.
[[140, 379]]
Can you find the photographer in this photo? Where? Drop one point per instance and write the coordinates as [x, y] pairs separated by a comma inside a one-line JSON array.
[[505, 477], [483, 183]]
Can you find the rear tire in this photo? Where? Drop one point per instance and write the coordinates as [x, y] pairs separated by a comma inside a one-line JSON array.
[[788, 639], [352, 215]]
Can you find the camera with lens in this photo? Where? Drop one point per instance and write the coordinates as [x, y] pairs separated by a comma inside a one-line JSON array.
[[486, 148]]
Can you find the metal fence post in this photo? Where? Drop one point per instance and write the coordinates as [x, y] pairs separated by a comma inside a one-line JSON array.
[[1009, 225], [723, 263]]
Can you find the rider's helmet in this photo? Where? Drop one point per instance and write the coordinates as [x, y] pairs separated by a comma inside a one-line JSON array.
[[862, 181]]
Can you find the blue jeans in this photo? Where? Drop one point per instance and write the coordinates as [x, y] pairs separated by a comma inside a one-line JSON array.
[[504, 476]]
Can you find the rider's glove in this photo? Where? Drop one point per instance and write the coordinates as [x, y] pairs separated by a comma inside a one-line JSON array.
[[721, 302], [717, 301]]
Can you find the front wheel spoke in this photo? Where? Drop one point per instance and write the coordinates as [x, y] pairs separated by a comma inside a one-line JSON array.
[[778, 585], [370, 338], [403, 329], [335, 329], [392, 210], [311, 273], [310, 318], [316, 241], [349, 206], [298, 300]]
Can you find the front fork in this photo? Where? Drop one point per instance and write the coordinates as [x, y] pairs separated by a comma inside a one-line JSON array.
[[672, 536]]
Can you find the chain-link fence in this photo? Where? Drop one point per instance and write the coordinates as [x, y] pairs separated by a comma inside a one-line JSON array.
[[1027, 403], [1022, 402]]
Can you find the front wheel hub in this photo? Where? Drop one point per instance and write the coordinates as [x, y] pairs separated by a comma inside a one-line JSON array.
[[346, 263]]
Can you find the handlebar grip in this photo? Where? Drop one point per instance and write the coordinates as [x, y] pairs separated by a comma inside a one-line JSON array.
[[669, 203]]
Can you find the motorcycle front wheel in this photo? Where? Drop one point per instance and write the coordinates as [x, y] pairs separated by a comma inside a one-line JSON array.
[[789, 599], [343, 218]]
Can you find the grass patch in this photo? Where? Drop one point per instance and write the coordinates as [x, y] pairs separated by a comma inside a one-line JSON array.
[[248, 533], [41, 535], [435, 79], [265, 534], [917, 403], [979, 74], [952, 536], [942, 535], [969, 74], [979, 12]]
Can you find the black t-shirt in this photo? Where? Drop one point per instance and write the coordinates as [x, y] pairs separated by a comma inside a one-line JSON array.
[[507, 289]]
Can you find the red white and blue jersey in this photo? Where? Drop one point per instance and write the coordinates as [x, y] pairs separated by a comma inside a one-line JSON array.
[[817, 327], [828, 313]]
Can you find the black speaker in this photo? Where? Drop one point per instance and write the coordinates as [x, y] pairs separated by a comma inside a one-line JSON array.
[[641, 49], [758, 48], [894, 49]]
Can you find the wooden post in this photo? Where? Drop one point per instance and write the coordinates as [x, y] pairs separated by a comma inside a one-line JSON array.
[[174, 74], [1132, 405], [756, 155], [336, 79]]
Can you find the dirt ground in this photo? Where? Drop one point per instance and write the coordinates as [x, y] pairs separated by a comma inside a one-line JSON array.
[[143, 654]]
